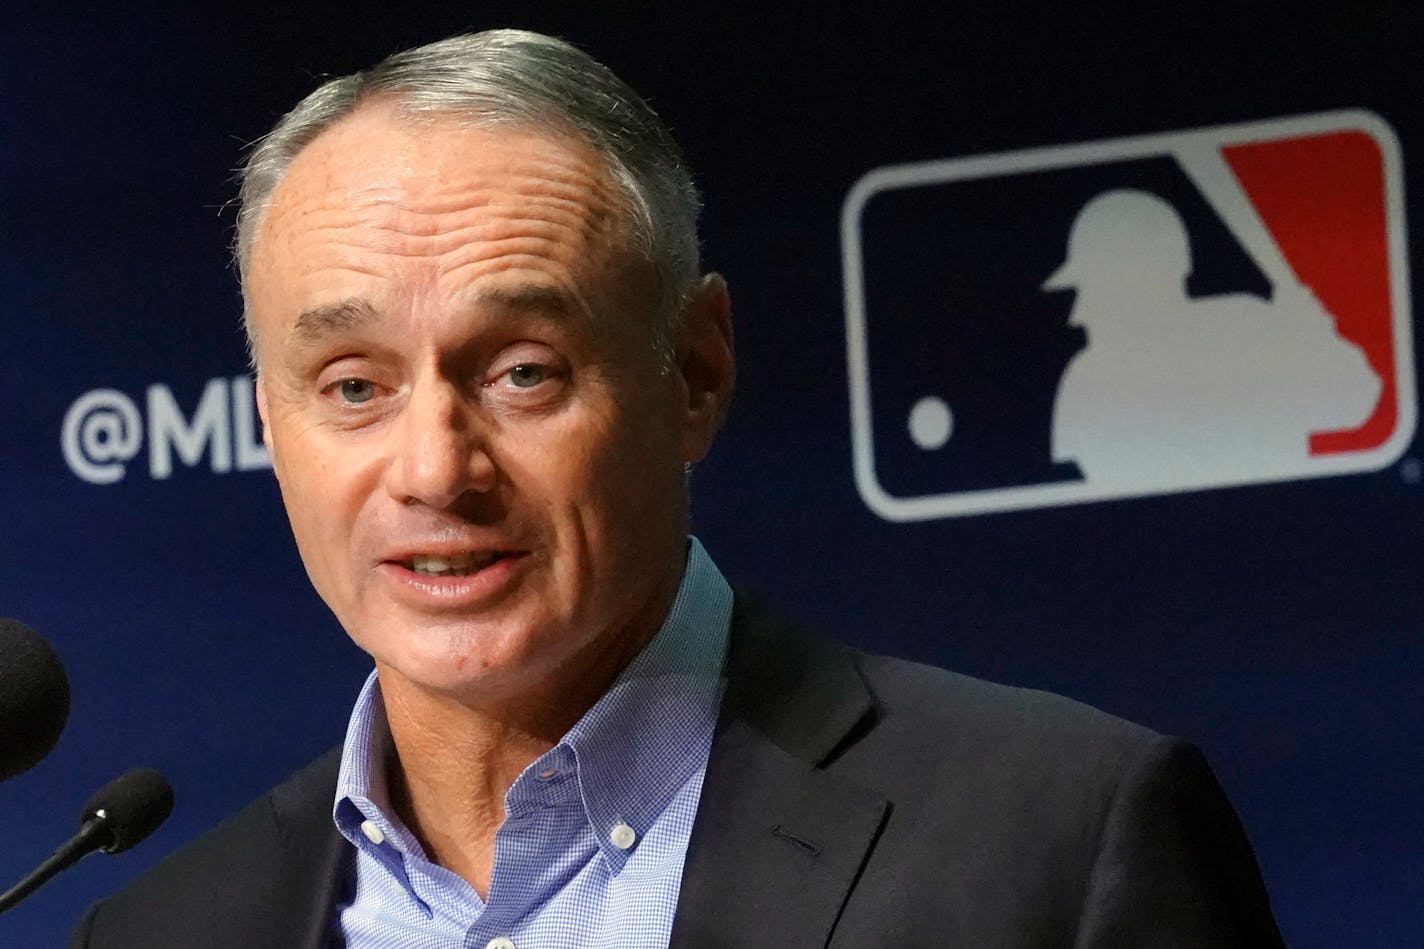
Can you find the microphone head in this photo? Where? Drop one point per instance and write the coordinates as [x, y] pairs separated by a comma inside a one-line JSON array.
[[130, 807], [34, 698]]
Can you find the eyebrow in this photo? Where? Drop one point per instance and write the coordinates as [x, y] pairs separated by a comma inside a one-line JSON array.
[[549, 301], [316, 323]]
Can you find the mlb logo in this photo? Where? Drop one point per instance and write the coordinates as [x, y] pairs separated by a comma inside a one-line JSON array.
[[1175, 312]]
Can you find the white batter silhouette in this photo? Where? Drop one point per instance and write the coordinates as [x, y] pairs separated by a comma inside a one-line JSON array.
[[1173, 392]]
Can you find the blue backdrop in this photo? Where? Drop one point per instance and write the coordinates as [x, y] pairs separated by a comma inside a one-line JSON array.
[[1277, 624]]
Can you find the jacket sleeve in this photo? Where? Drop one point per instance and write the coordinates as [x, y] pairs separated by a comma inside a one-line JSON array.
[[1173, 865]]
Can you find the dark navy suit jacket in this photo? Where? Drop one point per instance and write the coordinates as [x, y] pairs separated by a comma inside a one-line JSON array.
[[850, 801]]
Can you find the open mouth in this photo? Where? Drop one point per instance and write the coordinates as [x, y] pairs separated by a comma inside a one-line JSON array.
[[456, 565]]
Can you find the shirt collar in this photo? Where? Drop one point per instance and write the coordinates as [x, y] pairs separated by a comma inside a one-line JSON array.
[[631, 752]]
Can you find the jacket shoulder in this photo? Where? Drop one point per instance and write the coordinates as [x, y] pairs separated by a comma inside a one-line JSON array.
[[240, 883], [790, 682], [950, 736], [908, 694]]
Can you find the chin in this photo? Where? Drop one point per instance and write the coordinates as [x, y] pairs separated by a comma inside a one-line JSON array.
[[450, 657]]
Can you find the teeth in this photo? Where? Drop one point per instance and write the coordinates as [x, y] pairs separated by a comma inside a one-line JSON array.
[[454, 566]]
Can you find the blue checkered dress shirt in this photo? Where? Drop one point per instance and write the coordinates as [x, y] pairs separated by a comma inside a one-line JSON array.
[[591, 850]]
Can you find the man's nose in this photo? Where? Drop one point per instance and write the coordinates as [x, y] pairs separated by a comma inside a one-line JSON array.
[[441, 451]]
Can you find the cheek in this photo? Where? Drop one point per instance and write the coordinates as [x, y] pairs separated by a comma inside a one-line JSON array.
[[323, 509], [593, 484], [623, 465], [638, 484]]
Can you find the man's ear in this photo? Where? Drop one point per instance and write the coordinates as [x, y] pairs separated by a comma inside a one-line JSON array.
[[706, 362]]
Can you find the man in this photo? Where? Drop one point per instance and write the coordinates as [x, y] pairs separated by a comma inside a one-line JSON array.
[[486, 357]]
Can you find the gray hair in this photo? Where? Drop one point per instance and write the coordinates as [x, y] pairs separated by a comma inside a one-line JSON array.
[[510, 77]]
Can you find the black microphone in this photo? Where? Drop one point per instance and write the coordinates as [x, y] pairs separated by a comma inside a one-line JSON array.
[[127, 809], [119, 815], [34, 698]]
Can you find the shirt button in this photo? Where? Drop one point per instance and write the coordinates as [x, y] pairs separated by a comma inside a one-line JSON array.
[[372, 832], [499, 942], [622, 836], [547, 773]]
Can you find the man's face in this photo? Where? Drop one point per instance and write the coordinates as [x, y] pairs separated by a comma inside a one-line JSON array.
[[479, 451]]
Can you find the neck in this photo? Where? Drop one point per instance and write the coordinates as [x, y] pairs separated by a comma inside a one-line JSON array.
[[447, 773], [454, 758]]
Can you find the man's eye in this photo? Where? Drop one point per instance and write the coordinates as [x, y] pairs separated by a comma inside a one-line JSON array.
[[526, 375], [356, 391]]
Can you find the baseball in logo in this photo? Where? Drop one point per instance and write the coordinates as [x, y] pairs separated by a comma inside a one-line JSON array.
[[1175, 312]]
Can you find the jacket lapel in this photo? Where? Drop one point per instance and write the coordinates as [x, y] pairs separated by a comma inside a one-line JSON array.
[[309, 874], [778, 842]]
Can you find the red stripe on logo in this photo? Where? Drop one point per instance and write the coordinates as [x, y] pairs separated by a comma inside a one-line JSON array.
[[1322, 199]]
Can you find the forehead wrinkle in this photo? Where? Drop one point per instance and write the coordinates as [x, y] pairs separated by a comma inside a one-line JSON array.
[[560, 228], [536, 247], [584, 195], [422, 205], [482, 214], [452, 186]]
